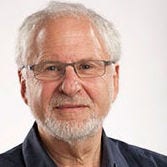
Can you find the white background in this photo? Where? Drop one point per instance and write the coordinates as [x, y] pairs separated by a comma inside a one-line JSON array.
[[139, 115]]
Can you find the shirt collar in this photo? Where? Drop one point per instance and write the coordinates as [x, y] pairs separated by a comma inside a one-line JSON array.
[[111, 155], [35, 155], [33, 151]]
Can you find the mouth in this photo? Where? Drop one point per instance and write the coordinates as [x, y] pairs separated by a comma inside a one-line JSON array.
[[71, 107], [72, 111]]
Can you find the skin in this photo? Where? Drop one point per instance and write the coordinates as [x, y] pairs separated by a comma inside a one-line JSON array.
[[68, 39]]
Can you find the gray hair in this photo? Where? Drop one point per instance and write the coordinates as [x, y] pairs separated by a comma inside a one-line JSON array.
[[32, 24]]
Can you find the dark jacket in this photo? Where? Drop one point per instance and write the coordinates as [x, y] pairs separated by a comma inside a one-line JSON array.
[[115, 153]]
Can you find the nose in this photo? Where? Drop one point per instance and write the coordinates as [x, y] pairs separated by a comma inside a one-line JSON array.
[[70, 84]]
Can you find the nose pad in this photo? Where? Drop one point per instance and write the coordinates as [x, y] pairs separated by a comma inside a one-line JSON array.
[[70, 84]]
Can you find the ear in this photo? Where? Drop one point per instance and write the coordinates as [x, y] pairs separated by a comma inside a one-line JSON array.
[[23, 86], [115, 81]]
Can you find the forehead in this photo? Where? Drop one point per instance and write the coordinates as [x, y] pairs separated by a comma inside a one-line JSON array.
[[69, 39]]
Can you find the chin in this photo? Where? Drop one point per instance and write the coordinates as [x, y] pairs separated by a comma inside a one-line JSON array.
[[71, 131]]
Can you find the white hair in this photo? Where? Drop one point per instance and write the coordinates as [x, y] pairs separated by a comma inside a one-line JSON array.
[[33, 23]]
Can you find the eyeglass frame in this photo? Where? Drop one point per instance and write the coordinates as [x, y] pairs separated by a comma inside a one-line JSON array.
[[64, 65]]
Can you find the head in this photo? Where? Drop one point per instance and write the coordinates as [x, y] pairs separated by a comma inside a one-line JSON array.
[[70, 107]]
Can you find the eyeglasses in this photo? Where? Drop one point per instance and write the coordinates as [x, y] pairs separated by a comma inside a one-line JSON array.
[[52, 70]]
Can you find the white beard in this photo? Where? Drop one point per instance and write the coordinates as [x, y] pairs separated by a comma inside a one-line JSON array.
[[70, 131]]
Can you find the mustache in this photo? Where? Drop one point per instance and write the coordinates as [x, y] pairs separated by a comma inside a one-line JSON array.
[[61, 100]]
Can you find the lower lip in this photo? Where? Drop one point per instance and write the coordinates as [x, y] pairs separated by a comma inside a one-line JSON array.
[[72, 113], [71, 109]]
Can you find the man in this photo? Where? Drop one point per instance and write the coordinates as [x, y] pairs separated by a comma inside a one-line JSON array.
[[67, 58]]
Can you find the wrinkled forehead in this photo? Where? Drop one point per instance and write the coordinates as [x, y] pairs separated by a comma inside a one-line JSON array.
[[66, 32], [64, 28]]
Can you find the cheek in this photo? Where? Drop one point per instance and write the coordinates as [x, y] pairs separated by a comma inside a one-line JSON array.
[[34, 91], [39, 95], [48, 90], [100, 91]]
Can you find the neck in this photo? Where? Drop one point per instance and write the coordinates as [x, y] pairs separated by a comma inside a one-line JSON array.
[[81, 153]]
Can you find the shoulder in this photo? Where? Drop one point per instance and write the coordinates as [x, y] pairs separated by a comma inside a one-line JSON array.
[[139, 155], [12, 158]]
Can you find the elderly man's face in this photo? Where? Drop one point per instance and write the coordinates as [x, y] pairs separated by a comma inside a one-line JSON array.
[[71, 107]]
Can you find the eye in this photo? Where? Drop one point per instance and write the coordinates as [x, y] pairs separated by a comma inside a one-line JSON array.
[[86, 66], [51, 68], [47, 68]]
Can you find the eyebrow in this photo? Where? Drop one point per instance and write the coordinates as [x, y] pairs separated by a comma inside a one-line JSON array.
[[55, 61]]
